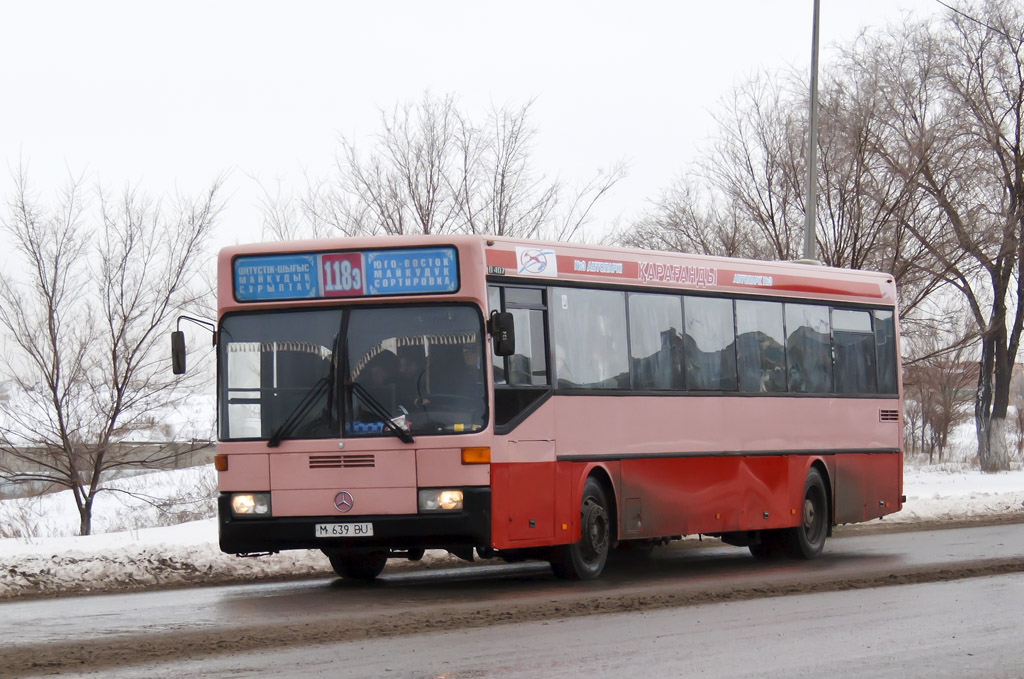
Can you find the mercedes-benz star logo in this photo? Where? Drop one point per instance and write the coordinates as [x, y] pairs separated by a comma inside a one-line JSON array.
[[343, 501]]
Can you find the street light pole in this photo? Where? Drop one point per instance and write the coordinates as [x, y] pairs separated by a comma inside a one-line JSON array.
[[812, 148]]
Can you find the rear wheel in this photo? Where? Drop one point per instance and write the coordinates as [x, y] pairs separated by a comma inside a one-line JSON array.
[[584, 560], [358, 565], [808, 539]]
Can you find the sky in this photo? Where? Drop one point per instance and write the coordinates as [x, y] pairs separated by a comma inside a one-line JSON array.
[[172, 95]]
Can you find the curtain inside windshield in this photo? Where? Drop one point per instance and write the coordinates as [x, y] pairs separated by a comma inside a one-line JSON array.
[[288, 375], [279, 366]]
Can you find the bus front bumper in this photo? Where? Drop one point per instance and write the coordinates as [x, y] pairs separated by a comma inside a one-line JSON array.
[[470, 527]]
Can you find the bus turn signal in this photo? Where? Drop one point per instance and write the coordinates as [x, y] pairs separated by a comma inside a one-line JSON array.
[[476, 456]]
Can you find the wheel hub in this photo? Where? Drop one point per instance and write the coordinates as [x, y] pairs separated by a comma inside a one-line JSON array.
[[595, 530]]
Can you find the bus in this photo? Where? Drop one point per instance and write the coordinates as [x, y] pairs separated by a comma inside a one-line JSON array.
[[496, 397]]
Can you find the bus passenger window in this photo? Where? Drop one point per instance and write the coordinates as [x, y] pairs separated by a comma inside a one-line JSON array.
[[709, 350], [760, 348], [854, 346], [808, 349], [656, 341], [590, 339], [885, 351]]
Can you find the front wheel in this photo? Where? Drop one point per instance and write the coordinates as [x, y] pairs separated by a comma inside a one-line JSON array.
[[584, 560], [364, 566], [808, 539]]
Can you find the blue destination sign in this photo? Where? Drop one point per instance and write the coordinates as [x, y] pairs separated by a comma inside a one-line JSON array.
[[410, 271], [271, 277]]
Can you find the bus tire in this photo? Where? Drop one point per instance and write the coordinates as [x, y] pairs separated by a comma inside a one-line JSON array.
[[364, 566], [808, 539], [585, 559]]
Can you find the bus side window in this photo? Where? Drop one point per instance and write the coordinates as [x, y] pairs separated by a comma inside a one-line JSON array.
[[528, 366], [521, 379], [760, 346], [497, 362], [656, 341], [590, 335], [885, 349], [709, 344], [853, 344], [809, 349]]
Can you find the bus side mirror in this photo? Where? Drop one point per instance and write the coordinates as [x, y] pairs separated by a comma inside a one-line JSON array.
[[502, 329], [178, 352]]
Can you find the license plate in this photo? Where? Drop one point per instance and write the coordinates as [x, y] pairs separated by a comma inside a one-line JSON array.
[[344, 530]]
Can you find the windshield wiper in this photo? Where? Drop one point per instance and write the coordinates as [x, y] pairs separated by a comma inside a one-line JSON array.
[[300, 410], [381, 412]]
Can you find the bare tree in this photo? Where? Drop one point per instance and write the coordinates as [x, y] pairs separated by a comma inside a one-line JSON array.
[[432, 170], [684, 220], [1017, 419], [756, 162], [746, 198], [955, 99], [86, 321], [939, 381], [913, 427]]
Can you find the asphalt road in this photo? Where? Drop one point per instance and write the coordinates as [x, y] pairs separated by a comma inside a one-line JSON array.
[[960, 628], [456, 623]]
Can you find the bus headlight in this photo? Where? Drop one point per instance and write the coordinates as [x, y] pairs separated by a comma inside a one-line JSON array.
[[437, 500], [250, 504]]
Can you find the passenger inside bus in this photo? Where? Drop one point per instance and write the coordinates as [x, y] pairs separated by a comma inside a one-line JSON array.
[[442, 389]]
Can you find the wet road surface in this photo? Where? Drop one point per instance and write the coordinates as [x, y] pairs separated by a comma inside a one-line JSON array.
[[102, 633], [962, 628]]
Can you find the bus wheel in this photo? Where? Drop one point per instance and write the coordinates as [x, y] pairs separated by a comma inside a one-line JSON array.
[[808, 539], [584, 560], [358, 565]]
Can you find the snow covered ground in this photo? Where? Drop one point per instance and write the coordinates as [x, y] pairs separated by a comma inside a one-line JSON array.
[[41, 555]]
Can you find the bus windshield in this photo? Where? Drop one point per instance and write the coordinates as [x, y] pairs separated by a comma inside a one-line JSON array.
[[328, 373]]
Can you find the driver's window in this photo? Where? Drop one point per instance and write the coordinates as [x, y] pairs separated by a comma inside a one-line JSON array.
[[528, 365], [522, 378]]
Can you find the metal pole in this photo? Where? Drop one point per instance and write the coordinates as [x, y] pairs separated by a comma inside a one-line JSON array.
[[812, 148]]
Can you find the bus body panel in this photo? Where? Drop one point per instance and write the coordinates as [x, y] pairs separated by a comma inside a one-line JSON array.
[[366, 501], [683, 271], [681, 496], [524, 497], [866, 487], [588, 426], [443, 467], [386, 469], [245, 472]]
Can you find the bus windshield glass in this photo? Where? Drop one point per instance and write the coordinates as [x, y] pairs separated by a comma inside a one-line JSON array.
[[352, 372]]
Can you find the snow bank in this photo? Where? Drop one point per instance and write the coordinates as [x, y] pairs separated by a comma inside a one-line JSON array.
[[47, 558], [954, 493], [156, 557]]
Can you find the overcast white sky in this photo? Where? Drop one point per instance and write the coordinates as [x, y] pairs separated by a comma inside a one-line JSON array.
[[172, 94]]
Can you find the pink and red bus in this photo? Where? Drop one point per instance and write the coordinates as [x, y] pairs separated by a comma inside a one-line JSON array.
[[519, 399]]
